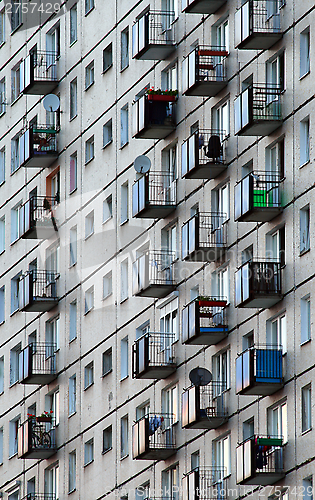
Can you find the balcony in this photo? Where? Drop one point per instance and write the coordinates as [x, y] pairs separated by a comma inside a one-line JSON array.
[[40, 496], [204, 321], [154, 274], [154, 196], [153, 437], [259, 371], [38, 291], [38, 73], [205, 483], [201, 6], [37, 364], [204, 237], [258, 284], [204, 71], [204, 407], [153, 35], [204, 154], [36, 218], [153, 118], [153, 356], [259, 460], [257, 110], [37, 438], [257, 197], [257, 24], [38, 146]]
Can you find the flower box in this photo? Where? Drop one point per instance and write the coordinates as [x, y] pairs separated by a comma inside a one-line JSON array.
[[44, 419], [212, 303], [160, 97]]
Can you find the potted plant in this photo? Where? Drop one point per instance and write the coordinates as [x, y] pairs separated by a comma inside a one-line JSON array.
[[161, 95], [45, 417]]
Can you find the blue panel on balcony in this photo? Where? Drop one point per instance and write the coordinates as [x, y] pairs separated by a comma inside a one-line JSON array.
[[211, 329], [269, 365]]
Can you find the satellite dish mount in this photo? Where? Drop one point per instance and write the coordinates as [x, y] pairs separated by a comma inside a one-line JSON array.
[[142, 164]]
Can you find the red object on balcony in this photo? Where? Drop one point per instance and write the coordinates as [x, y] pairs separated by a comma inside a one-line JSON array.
[[161, 97], [44, 419], [212, 303]]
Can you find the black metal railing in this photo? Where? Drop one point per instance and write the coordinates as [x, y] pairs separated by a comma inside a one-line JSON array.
[[37, 359], [257, 278], [43, 139], [259, 365], [204, 403], [153, 28], [258, 102], [44, 284], [154, 268], [38, 210], [204, 64], [203, 147], [257, 17], [151, 114], [154, 431], [44, 65], [37, 435], [153, 189], [153, 350], [257, 190], [202, 315], [40, 496], [205, 483], [204, 231]]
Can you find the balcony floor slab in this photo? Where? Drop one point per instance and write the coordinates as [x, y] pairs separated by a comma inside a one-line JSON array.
[[155, 211], [260, 41], [204, 6], [208, 170], [206, 89], [155, 52]]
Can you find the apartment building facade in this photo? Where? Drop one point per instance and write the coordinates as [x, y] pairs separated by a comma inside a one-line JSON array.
[[156, 270]]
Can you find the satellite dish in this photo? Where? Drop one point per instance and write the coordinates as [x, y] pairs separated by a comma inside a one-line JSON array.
[[142, 164], [200, 376], [51, 102]]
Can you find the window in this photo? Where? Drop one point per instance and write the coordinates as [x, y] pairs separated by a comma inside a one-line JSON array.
[[124, 126], [2, 305], [72, 394], [170, 483], [107, 439], [275, 75], [277, 421], [89, 451], [1, 445], [107, 57], [124, 49], [52, 258], [89, 300], [170, 401], [52, 481], [2, 27], [304, 229], [220, 200], [53, 181], [15, 282], [107, 362], [107, 133], [16, 14], [2, 88], [170, 6], [89, 75], [13, 435], [89, 224], [169, 318], [73, 24], [89, 375], [15, 154], [124, 208], [108, 208], [306, 408], [169, 240], [221, 370], [15, 83], [2, 166], [277, 332], [73, 98], [247, 254], [73, 172], [304, 141], [195, 460], [32, 340], [308, 488], [89, 5], [221, 35], [170, 78], [248, 428], [221, 283], [221, 118], [52, 331], [53, 40], [305, 52], [124, 358], [2, 234], [124, 280], [30, 488], [73, 321], [305, 319], [89, 149], [142, 410], [14, 495], [1, 374], [221, 455], [275, 159], [107, 285], [73, 246], [124, 436], [53, 404], [72, 471], [275, 244]]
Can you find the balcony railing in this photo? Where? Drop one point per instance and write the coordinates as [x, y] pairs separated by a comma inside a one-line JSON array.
[[154, 274], [257, 197], [153, 437], [258, 284], [257, 24], [37, 364], [204, 321], [257, 110], [154, 195], [205, 483], [152, 119], [38, 73], [37, 438], [202, 6], [204, 407], [204, 71], [204, 154], [38, 291], [153, 35], [153, 356], [40, 496], [259, 460], [259, 371], [204, 237], [38, 146], [36, 218]]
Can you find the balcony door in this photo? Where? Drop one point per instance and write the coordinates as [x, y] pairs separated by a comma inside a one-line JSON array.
[[170, 483], [52, 482]]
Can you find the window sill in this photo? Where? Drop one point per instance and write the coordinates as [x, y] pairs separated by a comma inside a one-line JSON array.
[[88, 12], [123, 300], [124, 68], [108, 219], [305, 74], [89, 161], [105, 70], [2, 114], [88, 386], [2, 392], [2, 252], [106, 451], [125, 378], [88, 236], [89, 86], [73, 190], [124, 222], [72, 340], [73, 117], [2, 44], [107, 296], [88, 463], [124, 145], [2, 323], [14, 171], [107, 373], [71, 491], [107, 144], [125, 456], [71, 414], [16, 99], [306, 163], [1, 183], [72, 265], [305, 251], [305, 342], [12, 456], [14, 312], [87, 312], [17, 28], [306, 431], [73, 43]]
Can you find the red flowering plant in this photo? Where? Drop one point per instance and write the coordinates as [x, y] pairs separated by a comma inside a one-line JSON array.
[[153, 91]]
